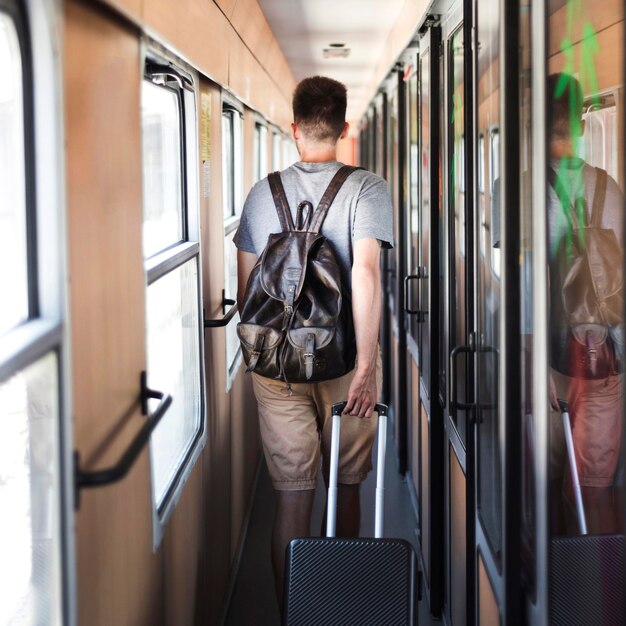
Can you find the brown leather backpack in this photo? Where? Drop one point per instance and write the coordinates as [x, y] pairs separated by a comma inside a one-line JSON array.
[[586, 281], [296, 322]]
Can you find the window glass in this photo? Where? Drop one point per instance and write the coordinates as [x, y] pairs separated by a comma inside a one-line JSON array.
[[32, 500], [232, 180], [487, 283], [528, 426], [173, 320], [586, 349], [162, 171], [30, 567], [458, 305], [228, 173], [260, 152], [13, 258], [584, 185], [414, 165], [174, 367], [276, 152], [233, 348], [424, 226]]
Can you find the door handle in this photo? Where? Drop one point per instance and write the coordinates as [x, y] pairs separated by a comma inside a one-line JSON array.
[[421, 315], [454, 404]]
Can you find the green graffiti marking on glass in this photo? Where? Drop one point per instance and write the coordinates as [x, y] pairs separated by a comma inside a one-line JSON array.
[[586, 70]]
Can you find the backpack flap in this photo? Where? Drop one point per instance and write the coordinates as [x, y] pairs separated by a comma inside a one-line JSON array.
[[283, 264], [260, 346]]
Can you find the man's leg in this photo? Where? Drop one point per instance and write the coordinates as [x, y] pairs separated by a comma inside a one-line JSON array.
[[600, 510], [293, 519], [348, 511]]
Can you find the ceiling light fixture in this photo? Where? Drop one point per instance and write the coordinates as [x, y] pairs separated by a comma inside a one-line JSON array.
[[336, 53]]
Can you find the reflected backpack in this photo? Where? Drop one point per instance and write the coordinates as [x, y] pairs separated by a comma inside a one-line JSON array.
[[296, 321], [586, 280]]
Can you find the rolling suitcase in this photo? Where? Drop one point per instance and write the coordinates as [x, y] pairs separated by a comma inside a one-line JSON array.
[[332, 581], [587, 572]]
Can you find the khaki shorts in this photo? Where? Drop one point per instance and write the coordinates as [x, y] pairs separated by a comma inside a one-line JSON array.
[[295, 430], [595, 409]]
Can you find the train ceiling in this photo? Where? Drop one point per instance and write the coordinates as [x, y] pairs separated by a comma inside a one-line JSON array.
[[306, 30]]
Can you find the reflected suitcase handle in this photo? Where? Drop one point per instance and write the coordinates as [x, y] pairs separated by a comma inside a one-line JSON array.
[[571, 455]]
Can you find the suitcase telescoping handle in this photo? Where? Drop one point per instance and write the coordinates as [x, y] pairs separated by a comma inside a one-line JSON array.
[[331, 514], [569, 442]]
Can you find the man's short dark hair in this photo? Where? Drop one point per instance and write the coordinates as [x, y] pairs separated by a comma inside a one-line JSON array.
[[319, 108], [565, 105]]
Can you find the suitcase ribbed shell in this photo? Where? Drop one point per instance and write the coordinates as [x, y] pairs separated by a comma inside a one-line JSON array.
[[350, 582], [587, 581]]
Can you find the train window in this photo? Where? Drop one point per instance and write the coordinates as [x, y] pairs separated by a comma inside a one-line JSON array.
[[172, 253], [585, 154], [162, 147], [487, 116], [232, 169], [276, 151], [290, 153], [32, 345], [528, 422], [13, 239], [494, 185], [458, 268], [231, 161], [600, 140], [260, 151]]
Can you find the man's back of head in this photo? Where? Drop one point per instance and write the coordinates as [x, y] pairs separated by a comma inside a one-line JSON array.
[[319, 108]]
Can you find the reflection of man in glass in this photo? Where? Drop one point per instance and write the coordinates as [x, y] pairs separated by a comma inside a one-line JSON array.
[[594, 400]]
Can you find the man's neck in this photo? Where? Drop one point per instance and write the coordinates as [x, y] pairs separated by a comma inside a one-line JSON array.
[[561, 148], [318, 154]]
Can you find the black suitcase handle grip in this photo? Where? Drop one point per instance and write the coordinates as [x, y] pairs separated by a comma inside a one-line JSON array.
[[338, 408]]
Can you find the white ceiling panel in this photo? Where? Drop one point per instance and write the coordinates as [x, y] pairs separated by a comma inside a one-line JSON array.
[[304, 28]]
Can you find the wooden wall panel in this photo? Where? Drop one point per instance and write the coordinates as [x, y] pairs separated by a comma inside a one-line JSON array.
[[608, 61], [227, 6], [183, 556], [216, 463], [600, 14], [488, 612], [248, 61], [425, 495], [118, 577], [415, 425], [458, 542], [198, 29], [245, 449]]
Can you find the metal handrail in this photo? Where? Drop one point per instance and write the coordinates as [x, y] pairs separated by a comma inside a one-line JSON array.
[[223, 321], [99, 478]]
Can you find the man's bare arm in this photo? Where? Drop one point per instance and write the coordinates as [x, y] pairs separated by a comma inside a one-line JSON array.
[[245, 262], [366, 310]]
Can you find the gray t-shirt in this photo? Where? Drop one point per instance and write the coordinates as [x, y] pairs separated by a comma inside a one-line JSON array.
[[581, 183], [362, 209]]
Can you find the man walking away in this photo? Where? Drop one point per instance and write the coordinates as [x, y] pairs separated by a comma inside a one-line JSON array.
[[294, 418]]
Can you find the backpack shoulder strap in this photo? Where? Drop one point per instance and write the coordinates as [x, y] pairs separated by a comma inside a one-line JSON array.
[[598, 197], [280, 201], [329, 195], [561, 194]]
